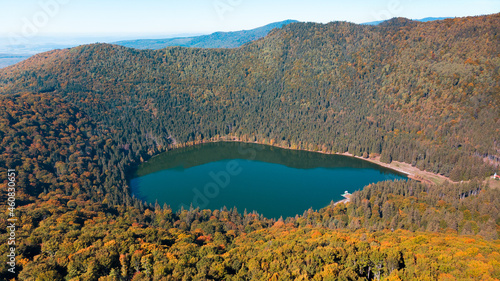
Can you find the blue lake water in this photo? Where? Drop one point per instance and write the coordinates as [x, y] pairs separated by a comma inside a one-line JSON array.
[[272, 181]]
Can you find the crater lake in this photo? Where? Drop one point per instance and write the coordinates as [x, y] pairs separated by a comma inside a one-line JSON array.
[[272, 181]]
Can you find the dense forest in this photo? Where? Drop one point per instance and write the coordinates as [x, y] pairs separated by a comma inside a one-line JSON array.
[[421, 93], [75, 122]]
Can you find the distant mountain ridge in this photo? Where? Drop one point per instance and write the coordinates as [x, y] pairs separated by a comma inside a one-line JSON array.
[[420, 20], [232, 39]]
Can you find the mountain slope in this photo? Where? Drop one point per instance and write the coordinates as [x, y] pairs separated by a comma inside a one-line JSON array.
[[347, 86], [70, 176], [215, 40]]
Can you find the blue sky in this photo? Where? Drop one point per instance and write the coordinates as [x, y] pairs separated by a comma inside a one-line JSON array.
[[164, 17]]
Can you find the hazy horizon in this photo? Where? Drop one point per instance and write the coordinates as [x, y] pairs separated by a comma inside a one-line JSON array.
[[30, 27], [92, 18]]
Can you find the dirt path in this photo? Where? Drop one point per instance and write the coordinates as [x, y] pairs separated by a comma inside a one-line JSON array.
[[407, 169]]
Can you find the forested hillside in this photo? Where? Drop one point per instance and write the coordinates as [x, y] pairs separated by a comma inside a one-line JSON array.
[[421, 93], [74, 122]]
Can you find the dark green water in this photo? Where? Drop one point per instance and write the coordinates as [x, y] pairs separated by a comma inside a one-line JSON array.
[[272, 181]]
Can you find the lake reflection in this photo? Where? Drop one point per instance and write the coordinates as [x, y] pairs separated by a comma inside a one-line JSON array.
[[272, 181]]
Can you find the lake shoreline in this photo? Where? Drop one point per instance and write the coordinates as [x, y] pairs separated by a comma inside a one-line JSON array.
[[411, 172], [271, 180]]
